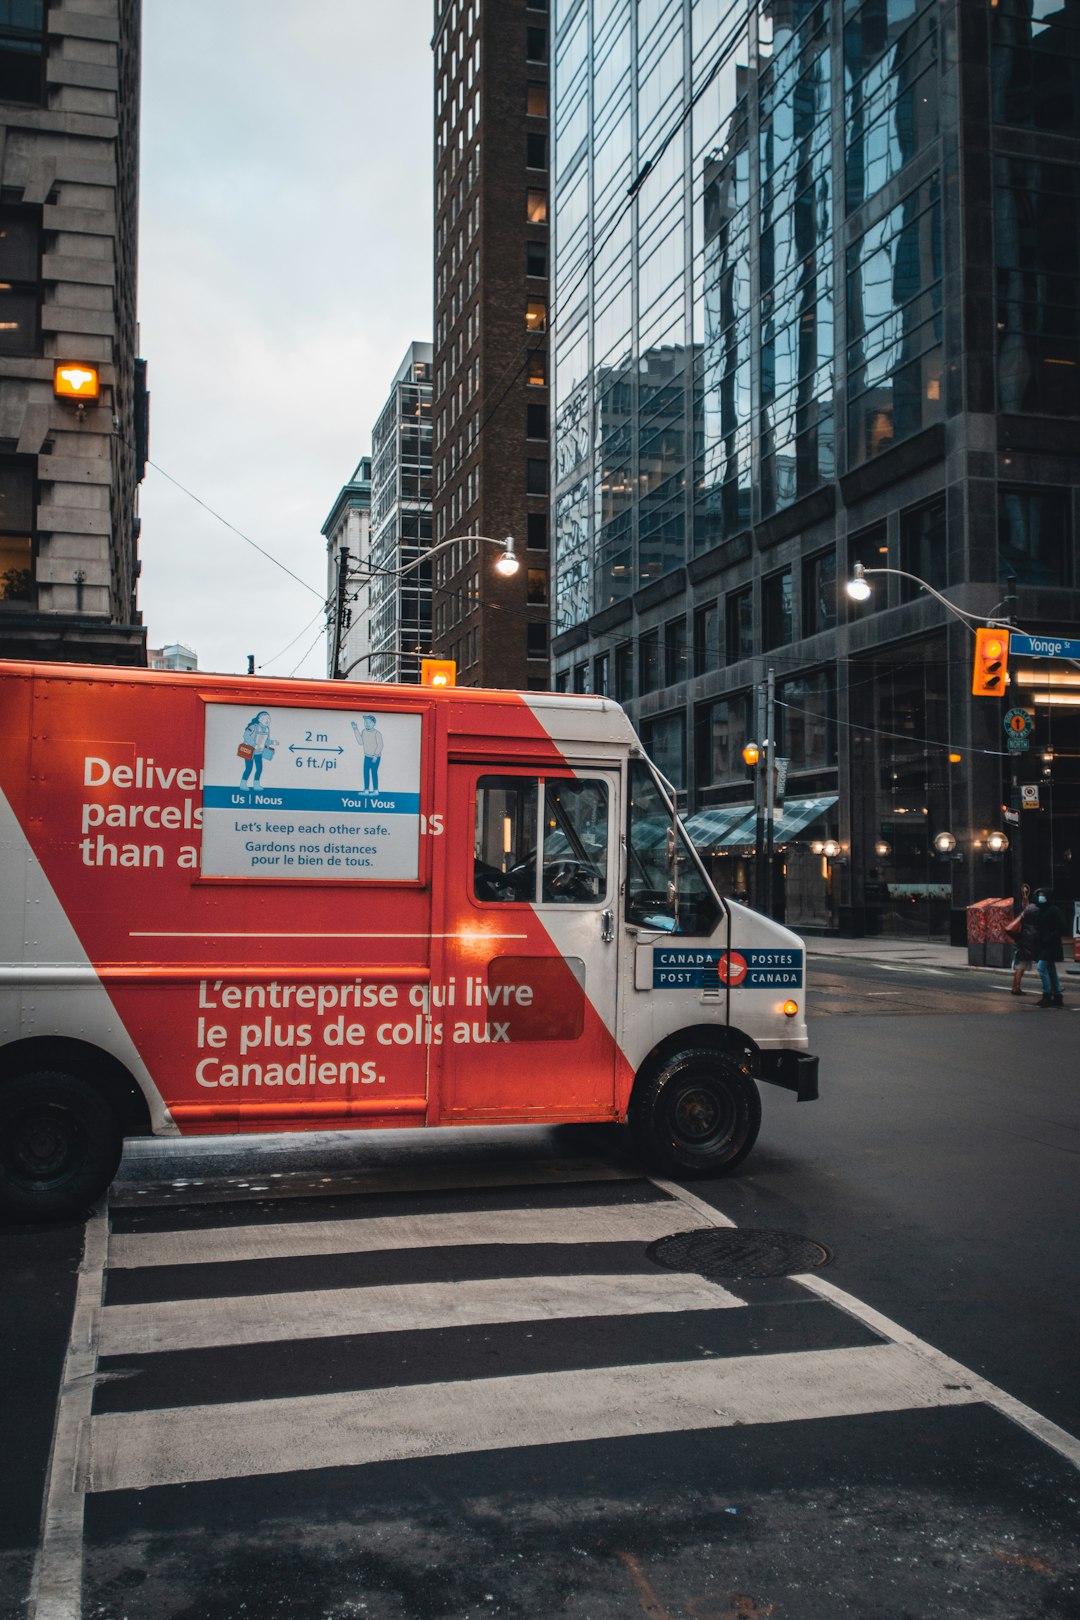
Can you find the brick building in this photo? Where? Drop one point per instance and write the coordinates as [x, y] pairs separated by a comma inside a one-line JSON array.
[[491, 324]]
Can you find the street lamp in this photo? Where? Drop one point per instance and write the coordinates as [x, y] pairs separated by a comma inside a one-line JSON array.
[[507, 565], [945, 843], [859, 590]]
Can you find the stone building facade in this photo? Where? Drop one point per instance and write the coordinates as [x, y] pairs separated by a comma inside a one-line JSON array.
[[69, 470]]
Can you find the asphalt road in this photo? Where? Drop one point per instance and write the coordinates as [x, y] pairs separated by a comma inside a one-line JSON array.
[[938, 1170]]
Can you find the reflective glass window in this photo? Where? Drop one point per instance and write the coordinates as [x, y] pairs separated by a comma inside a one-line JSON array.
[[1034, 536]]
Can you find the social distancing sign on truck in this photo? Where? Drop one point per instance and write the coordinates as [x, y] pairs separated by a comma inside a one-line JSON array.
[[245, 905], [311, 793]]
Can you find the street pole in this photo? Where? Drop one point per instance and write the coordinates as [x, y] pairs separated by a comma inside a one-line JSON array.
[[770, 796], [339, 611], [760, 900]]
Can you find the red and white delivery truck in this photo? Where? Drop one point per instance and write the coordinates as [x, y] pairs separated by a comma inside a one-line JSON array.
[[234, 904]]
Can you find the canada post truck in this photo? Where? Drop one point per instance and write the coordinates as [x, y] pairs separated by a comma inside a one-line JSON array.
[[233, 904]]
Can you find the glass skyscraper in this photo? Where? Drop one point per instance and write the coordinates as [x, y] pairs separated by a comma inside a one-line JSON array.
[[816, 301]]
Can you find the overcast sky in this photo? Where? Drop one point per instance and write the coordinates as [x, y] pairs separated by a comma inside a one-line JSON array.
[[285, 267]]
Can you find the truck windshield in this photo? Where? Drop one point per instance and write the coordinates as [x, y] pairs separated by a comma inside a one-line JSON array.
[[665, 887]]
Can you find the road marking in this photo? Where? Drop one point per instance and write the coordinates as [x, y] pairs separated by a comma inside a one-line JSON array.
[[56, 1587], [1058, 1439], [620, 1223], [402, 1308], [240, 1439]]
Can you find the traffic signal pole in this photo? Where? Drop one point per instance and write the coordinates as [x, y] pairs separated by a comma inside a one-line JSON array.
[[770, 789]]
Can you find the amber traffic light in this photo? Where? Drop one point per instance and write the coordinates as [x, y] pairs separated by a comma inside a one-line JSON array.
[[991, 662], [438, 672]]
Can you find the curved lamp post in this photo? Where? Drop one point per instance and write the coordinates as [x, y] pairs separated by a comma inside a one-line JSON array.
[[507, 565], [859, 590]]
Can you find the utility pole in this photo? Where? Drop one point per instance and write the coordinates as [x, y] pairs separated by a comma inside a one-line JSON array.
[[760, 887], [339, 612], [770, 794]]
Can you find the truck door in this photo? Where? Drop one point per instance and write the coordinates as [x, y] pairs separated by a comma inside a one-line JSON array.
[[530, 964]]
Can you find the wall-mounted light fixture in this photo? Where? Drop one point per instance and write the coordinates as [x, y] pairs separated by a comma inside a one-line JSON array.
[[77, 380]]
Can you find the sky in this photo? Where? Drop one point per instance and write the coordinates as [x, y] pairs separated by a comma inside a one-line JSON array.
[[285, 265]]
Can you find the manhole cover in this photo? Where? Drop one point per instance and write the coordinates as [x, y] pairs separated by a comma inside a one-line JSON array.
[[718, 1251]]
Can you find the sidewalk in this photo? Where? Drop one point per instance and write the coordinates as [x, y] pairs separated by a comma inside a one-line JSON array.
[[915, 952]]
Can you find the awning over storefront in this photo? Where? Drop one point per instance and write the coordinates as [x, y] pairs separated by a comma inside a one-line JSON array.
[[733, 826]]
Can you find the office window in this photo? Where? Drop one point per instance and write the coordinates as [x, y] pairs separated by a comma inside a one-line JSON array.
[[536, 259], [536, 640], [536, 207], [776, 610], [535, 149], [602, 674], [22, 51], [536, 44], [536, 476], [720, 731], [806, 720], [536, 315], [536, 587], [739, 613], [537, 369], [581, 679], [537, 100], [536, 529], [924, 548], [16, 528], [674, 651], [536, 421], [871, 548], [1034, 539], [819, 593], [706, 638], [20, 230], [649, 662], [665, 744], [624, 671]]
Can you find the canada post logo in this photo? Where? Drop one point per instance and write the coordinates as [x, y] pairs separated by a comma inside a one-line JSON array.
[[679, 968]]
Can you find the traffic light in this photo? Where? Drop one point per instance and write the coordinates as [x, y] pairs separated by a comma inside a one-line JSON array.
[[991, 662], [438, 672]]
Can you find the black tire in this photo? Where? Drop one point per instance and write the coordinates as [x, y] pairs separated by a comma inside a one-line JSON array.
[[60, 1144], [699, 1114]]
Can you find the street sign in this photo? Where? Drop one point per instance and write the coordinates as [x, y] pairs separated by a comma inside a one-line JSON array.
[[1021, 646], [1029, 795], [1018, 742], [1018, 721]]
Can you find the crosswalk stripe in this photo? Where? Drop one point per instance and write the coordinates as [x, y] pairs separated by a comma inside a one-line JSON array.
[[238, 1440], [619, 1223], [404, 1308]]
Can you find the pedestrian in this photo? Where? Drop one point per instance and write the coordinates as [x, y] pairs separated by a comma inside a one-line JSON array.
[[1049, 927], [1025, 938]]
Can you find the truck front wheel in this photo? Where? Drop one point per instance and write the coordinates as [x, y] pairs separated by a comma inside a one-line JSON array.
[[60, 1145], [699, 1114]]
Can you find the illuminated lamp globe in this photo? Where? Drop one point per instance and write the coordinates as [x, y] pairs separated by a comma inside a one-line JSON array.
[[945, 843]]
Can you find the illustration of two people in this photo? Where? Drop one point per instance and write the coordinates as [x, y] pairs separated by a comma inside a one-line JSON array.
[[371, 741], [255, 746]]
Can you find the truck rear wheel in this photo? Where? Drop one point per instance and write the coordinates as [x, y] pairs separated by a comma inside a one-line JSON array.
[[699, 1114], [60, 1145]]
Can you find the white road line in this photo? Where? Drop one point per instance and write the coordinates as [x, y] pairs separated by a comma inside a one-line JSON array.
[[1060, 1440], [236, 1440], [404, 1308], [619, 1223], [56, 1588]]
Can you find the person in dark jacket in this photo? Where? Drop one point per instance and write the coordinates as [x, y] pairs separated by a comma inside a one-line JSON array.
[[1049, 927], [1025, 940]]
